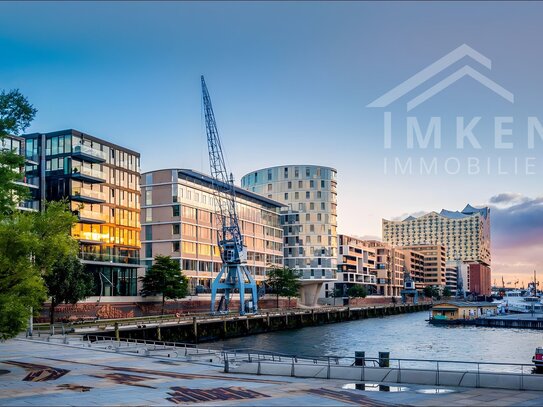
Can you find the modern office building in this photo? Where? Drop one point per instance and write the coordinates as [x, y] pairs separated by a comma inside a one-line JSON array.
[[356, 265], [466, 234], [100, 180], [17, 145], [179, 219], [434, 263], [309, 221]]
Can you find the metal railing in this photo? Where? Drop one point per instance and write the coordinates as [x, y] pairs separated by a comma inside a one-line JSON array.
[[391, 367], [89, 151], [123, 344]]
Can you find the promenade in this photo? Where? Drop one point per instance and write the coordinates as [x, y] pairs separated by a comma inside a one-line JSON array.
[[42, 373]]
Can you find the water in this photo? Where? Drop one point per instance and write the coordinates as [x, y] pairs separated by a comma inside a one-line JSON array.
[[404, 336]]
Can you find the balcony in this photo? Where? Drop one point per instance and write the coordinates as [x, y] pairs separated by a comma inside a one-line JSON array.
[[108, 258], [87, 196], [91, 217], [29, 182], [30, 206], [89, 175], [89, 154]]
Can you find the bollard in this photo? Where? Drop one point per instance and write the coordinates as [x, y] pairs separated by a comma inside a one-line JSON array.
[[359, 358], [117, 336], [384, 359], [158, 333], [195, 329]]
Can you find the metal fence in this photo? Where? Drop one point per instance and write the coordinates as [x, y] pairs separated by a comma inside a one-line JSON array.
[[390, 369]]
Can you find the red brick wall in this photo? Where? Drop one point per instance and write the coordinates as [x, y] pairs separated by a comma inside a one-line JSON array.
[[479, 279], [105, 310]]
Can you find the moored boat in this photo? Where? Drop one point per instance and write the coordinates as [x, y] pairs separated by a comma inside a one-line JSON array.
[[538, 359]]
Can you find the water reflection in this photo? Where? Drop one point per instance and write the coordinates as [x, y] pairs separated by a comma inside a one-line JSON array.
[[404, 336]]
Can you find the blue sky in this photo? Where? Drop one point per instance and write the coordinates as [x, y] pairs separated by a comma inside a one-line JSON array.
[[290, 83]]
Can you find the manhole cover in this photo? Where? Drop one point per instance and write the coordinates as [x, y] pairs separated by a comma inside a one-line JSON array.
[[435, 391], [374, 387]]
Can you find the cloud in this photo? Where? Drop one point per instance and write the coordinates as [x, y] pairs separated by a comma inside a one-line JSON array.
[[406, 215], [517, 236], [508, 198], [520, 224]]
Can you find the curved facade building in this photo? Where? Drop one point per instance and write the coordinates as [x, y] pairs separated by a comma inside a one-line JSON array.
[[310, 216]]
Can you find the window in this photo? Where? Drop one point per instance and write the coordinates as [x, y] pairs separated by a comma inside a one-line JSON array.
[[269, 175], [312, 184], [175, 210], [296, 172], [175, 246], [319, 194], [300, 184], [148, 233], [286, 172], [290, 185], [269, 187], [175, 229], [307, 196], [286, 195], [149, 250], [323, 206], [307, 172], [148, 196], [322, 183], [311, 206], [296, 195]]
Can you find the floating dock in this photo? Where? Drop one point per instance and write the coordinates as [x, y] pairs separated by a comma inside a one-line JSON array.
[[519, 321]]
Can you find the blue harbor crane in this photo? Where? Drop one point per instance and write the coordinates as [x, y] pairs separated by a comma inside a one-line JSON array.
[[234, 275]]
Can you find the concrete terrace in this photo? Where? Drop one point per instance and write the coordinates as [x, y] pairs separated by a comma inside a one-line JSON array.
[[42, 373]]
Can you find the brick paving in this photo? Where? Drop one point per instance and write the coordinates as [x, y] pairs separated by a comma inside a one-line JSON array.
[[34, 373]]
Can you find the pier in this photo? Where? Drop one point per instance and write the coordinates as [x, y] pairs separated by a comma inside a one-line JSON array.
[[519, 321], [204, 327]]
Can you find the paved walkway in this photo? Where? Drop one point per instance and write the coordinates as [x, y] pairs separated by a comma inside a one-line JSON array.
[[38, 373]]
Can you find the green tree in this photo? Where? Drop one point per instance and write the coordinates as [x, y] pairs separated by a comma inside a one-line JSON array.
[[21, 283], [30, 245], [16, 114], [164, 277], [431, 291], [447, 292], [357, 291], [284, 282], [67, 282]]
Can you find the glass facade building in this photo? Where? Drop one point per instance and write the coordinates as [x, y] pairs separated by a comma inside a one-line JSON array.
[[17, 145], [310, 218], [179, 220], [100, 180]]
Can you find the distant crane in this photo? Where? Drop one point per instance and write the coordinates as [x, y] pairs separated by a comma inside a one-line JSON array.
[[234, 274]]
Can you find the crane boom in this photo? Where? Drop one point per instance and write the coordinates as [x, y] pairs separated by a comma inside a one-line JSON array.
[[234, 274], [225, 193]]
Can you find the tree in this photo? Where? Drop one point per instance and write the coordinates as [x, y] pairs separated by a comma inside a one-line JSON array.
[[447, 292], [164, 277], [431, 291], [67, 283], [21, 283], [30, 245], [284, 282], [16, 114], [357, 291]]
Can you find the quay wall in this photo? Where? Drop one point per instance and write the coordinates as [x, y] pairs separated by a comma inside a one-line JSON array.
[[218, 328]]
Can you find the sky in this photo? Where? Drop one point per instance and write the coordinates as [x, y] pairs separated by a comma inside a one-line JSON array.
[[291, 83]]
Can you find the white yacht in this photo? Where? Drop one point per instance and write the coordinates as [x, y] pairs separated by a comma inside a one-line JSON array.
[[521, 301]]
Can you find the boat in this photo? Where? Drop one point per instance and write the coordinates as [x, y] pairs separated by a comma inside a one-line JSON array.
[[520, 301], [538, 359]]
